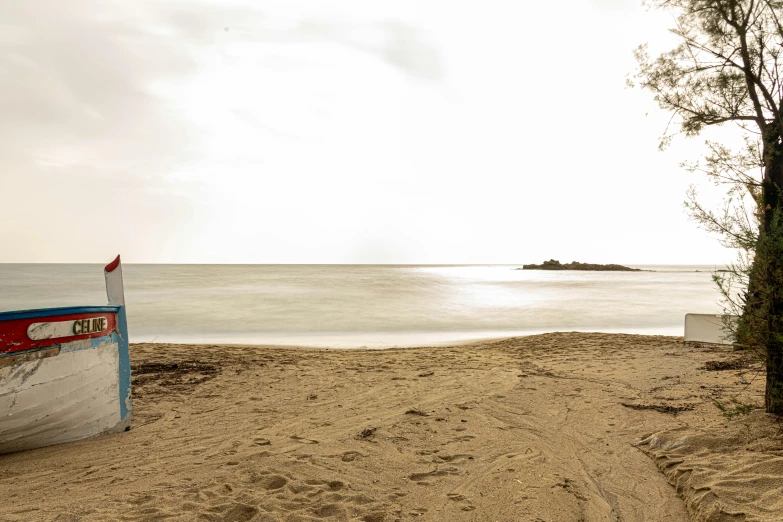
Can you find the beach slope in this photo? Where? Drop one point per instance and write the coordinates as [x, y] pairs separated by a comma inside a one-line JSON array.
[[564, 427]]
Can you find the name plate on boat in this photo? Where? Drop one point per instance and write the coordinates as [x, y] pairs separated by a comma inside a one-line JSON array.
[[54, 330]]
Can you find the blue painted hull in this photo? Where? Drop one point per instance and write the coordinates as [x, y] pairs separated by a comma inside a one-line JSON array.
[[65, 388]]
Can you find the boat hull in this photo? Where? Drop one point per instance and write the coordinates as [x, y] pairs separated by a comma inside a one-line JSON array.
[[710, 328], [59, 389]]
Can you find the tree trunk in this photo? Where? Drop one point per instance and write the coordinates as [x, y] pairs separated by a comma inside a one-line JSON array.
[[770, 254]]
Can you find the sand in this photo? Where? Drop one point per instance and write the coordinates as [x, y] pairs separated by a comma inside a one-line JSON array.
[[556, 427]]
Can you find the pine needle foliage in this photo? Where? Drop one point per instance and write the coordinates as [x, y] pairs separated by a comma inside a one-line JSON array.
[[726, 69]]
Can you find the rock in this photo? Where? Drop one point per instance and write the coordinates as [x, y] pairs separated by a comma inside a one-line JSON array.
[[553, 264]]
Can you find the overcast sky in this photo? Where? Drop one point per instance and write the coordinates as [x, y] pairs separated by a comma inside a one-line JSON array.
[[336, 131]]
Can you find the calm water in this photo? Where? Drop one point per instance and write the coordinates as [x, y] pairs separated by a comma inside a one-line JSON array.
[[369, 305]]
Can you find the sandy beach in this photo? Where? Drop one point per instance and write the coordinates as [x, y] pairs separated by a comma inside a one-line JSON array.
[[555, 427]]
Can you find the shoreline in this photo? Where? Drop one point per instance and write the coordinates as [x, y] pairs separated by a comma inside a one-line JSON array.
[[560, 426], [403, 339]]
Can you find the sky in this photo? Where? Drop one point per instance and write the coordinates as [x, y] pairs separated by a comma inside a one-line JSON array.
[[326, 131]]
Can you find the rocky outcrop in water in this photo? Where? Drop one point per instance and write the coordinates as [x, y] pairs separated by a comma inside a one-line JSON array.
[[553, 264]]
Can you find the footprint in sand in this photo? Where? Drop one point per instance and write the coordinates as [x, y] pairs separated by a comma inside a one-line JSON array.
[[240, 513], [296, 489], [350, 456], [361, 499], [329, 511], [272, 482], [467, 504], [417, 477], [452, 458]]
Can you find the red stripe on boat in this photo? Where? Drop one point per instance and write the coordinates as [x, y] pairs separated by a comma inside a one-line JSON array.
[[13, 334], [111, 267]]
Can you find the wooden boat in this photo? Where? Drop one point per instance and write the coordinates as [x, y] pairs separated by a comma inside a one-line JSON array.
[[65, 372]]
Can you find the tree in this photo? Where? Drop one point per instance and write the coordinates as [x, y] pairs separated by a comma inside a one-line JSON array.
[[726, 69]]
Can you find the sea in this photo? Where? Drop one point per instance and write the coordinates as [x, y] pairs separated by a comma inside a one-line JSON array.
[[372, 306]]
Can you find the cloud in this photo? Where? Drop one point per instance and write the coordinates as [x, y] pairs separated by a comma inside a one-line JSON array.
[[409, 49], [397, 43], [616, 4], [93, 130], [76, 77], [74, 88]]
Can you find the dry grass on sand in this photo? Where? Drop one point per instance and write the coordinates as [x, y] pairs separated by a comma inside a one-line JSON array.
[[557, 427]]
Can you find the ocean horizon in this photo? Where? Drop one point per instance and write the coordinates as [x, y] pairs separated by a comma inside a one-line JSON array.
[[373, 306]]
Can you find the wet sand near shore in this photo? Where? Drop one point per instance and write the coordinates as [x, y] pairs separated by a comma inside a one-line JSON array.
[[555, 427]]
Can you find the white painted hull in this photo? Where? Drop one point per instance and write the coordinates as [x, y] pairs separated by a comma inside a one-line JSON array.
[[62, 394], [709, 328]]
